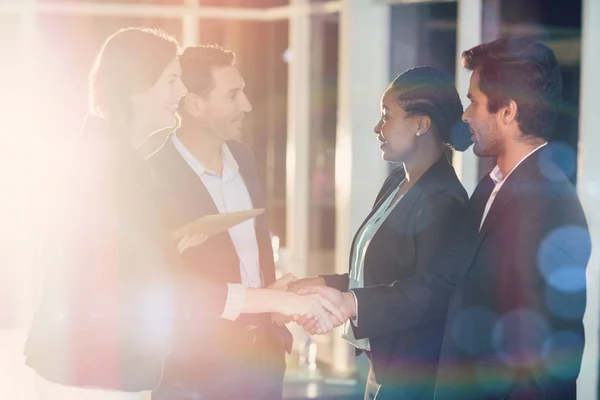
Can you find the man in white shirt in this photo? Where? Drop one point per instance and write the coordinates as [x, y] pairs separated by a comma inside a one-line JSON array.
[[203, 169], [515, 277]]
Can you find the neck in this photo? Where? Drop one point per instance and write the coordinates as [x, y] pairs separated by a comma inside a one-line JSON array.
[[420, 162], [205, 148], [515, 152], [138, 132]]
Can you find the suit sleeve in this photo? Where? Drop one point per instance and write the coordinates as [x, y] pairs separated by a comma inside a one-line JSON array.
[[337, 281], [440, 222]]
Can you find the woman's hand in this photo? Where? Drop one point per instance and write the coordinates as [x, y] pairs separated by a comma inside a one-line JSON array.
[[283, 282]]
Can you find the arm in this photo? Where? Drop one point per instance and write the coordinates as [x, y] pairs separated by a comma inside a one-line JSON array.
[[442, 236]]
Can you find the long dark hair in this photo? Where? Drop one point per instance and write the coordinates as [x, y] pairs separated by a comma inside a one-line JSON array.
[[130, 61]]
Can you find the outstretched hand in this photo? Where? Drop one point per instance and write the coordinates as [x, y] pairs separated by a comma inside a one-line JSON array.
[[282, 284], [343, 302]]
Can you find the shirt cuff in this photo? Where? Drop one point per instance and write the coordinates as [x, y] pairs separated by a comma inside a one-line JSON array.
[[355, 318], [236, 298]]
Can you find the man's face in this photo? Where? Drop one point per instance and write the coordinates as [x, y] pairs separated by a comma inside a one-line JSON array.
[[485, 126], [226, 104]]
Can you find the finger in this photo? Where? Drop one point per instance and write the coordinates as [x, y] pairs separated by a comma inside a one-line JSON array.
[[310, 324], [331, 308], [288, 278], [322, 315], [183, 243], [202, 238]]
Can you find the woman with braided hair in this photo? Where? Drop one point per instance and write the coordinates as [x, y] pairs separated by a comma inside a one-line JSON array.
[[417, 212]]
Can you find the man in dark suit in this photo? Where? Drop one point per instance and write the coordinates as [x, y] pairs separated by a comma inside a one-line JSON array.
[[514, 328], [202, 169], [514, 278]]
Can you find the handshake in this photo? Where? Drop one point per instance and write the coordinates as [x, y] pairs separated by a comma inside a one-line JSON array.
[[312, 305]]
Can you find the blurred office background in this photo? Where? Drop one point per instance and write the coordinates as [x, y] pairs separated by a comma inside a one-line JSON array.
[[315, 71]]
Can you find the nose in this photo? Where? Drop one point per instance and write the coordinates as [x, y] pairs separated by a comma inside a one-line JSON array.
[[465, 115], [181, 89], [377, 128], [245, 104]]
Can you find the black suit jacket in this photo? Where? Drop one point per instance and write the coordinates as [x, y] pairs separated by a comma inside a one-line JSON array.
[[111, 290], [405, 360], [514, 328], [185, 198]]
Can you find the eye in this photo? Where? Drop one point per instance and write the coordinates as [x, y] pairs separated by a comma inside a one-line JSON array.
[[384, 118]]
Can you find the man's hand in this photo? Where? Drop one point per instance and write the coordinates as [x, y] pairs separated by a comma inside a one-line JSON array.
[[306, 282], [281, 284], [343, 301]]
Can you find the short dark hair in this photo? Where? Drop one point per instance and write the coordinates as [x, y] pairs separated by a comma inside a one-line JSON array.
[[197, 63], [427, 91], [522, 70], [130, 61]]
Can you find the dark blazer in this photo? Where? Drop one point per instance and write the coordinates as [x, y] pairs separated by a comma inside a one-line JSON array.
[[185, 198], [404, 360], [514, 328], [111, 290]]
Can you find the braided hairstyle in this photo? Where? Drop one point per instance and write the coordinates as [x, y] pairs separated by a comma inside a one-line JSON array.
[[427, 91]]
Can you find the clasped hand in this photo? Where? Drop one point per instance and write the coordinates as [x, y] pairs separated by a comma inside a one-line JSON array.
[[316, 307]]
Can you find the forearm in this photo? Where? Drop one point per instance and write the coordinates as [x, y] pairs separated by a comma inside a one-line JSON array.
[[265, 301]]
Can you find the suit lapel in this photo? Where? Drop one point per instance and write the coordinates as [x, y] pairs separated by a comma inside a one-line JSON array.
[[509, 190], [196, 199], [190, 198], [393, 181]]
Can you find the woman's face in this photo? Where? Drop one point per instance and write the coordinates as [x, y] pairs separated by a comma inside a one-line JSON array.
[[156, 107], [396, 131]]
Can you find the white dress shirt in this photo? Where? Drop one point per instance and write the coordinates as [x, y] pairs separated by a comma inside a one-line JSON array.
[[230, 194], [499, 180]]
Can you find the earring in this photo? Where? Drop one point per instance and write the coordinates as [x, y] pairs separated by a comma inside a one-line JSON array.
[[418, 133]]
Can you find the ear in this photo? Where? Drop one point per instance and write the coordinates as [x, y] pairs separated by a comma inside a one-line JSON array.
[[195, 105], [423, 125], [509, 112]]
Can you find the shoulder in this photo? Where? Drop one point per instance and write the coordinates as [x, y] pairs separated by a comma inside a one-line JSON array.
[[158, 156], [442, 187]]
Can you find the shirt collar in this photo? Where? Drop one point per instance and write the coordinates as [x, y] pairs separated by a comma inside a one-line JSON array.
[[496, 174], [230, 165]]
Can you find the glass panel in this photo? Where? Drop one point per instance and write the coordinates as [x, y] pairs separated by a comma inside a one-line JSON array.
[[163, 2], [323, 123], [11, 108], [244, 3]]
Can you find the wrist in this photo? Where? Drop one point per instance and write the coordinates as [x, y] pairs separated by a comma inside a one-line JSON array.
[[350, 303]]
